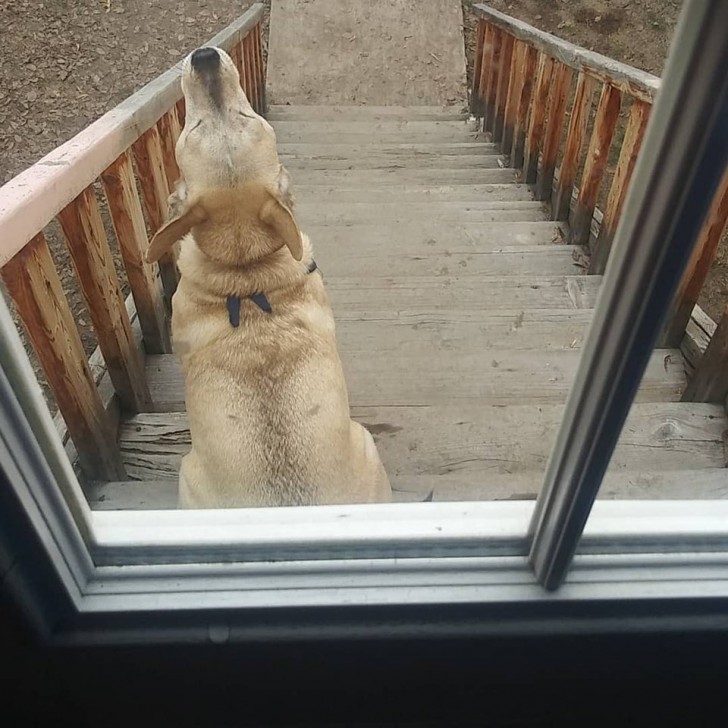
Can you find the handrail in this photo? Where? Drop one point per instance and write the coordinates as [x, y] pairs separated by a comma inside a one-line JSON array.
[[29, 201], [562, 142], [129, 153], [638, 84]]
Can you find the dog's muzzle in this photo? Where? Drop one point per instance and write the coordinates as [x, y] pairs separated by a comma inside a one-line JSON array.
[[205, 60]]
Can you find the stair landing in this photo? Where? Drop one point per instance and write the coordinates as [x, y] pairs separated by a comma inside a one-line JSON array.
[[460, 313]]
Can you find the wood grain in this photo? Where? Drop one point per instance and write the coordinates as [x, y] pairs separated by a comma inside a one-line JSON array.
[[534, 135], [491, 89], [700, 263], [484, 71], [149, 159], [554, 125], [261, 70], [476, 102], [709, 382], [515, 84], [501, 96], [574, 141], [631, 144], [33, 284], [131, 235], [165, 128], [86, 240], [524, 104], [595, 164]]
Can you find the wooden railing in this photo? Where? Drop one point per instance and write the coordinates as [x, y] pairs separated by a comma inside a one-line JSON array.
[[131, 148], [535, 94]]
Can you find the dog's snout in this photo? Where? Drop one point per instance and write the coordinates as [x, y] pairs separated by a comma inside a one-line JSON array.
[[205, 59]]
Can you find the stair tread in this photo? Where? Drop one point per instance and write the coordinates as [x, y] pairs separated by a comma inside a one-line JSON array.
[[279, 112], [385, 161], [402, 175], [411, 193]]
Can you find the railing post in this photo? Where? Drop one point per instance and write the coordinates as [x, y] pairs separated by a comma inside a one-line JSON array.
[[534, 136], [595, 165], [515, 84], [636, 124], [492, 81], [33, 284], [484, 71], [554, 125], [84, 232], [698, 268], [475, 101], [131, 234], [574, 142]]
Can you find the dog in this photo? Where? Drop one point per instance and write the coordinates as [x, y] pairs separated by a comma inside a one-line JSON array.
[[266, 397]]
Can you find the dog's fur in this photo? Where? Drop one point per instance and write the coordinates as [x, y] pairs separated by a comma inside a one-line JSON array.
[[267, 401]]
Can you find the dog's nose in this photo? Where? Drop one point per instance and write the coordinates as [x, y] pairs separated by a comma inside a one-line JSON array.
[[205, 59]]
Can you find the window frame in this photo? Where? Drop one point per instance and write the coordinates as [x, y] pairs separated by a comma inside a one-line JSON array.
[[392, 570]]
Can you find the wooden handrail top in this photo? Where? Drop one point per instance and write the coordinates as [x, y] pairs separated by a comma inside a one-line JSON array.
[[31, 200], [633, 81]]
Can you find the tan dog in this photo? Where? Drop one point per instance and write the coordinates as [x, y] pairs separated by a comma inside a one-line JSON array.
[[266, 397]]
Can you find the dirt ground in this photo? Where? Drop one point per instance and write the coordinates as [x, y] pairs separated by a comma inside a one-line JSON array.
[[637, 32], [63, 63]]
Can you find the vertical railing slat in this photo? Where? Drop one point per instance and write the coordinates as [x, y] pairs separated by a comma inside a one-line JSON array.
[[501, 95], [534, 135], [634, 133], [128, 219], [484, 68], [605, 123], [261, 69], [33, 284], [554, 126], [698, 268], [515, 84], [167, 138], [524, 103], [574, 142], [492, 80], [709, 381], [475, 100], [83, 229], [149, 160]]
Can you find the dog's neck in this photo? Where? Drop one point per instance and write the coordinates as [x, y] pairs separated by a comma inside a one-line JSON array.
[[264, 275]]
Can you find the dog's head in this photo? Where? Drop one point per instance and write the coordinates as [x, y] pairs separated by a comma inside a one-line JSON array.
[[224, 143], [234, 226]]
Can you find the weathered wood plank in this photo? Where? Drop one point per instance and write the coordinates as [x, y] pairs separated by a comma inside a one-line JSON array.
[[465, 444], [534, 135], [554, 125], [410, 193], [420, 238], [86, 240], [491, 90], [632, 81], [709, 382], [387, 161], [631, 144], [595, 164], [522, 108], [149, 159], [334, 213], [405, 130], [405, 149], [699, 266], [315, 112], [33, 284], [248, 55], [515, 84], [574, 142], [501, 96], [414, 176], [33, 198], [484, 72], [476, 102], [708, 484], [165, 128], [131, 235], [698, 333], [260, 66], [442, 377]]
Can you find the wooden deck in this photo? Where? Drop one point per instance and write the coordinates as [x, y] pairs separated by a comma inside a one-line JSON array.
[[460, 315]]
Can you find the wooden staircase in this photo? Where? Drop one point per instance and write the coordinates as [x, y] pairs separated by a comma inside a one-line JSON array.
[[460, 314]]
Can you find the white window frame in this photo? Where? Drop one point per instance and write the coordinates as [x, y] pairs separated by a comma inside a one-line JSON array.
[[386, 570]]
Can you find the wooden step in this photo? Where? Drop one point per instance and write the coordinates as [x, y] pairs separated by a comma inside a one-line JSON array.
[[416, 238], [376, 161], [517, 260], [343, 213], [367, 113], [356, 151], [401, 176], [410, 193], [418, 375], [708, 484], [467, 446]]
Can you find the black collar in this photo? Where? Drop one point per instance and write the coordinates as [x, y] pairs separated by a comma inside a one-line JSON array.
[[259, 299]]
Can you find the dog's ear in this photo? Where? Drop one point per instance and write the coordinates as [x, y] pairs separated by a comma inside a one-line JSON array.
[[284, 187], [275, 214], [175, 229]]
